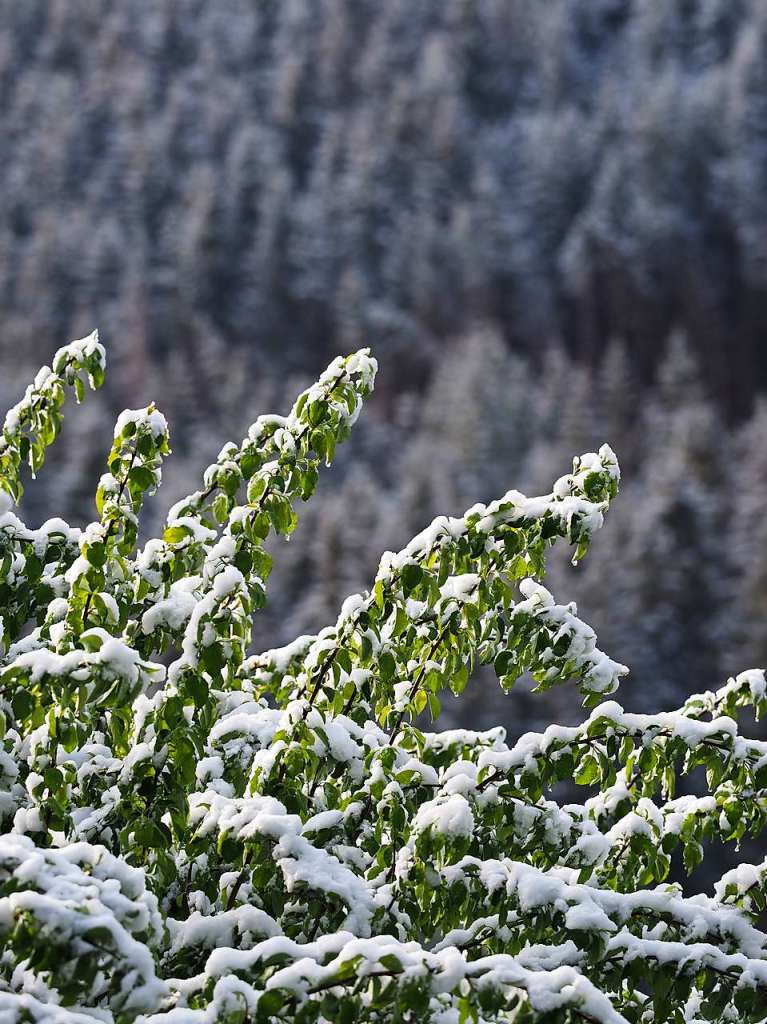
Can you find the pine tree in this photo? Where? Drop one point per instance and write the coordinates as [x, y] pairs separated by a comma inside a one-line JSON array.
[[667, 611], [463, 454], [749, 539]]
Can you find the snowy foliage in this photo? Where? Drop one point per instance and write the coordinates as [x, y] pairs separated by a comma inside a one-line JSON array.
[[191, 833]]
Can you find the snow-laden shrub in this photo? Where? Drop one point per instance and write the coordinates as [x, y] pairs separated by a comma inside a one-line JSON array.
[[192, 834]]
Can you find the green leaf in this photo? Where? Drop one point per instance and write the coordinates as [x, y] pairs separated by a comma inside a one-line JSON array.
[[503, 663], [212, 657], [23, 704], [141, 477], [401, 621], [221, 508], [271, 1001], [281, 514], [587, 771], [434, 706], [317, 412], [198, 689], [96, 554], [386, 665], [390, 962], [459, 679], [411, 576], [175, 534]]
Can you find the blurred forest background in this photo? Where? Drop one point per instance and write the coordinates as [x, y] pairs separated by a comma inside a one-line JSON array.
[[549, 221]]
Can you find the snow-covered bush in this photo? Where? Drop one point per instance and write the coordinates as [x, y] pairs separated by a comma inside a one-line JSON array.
[[192, 834]]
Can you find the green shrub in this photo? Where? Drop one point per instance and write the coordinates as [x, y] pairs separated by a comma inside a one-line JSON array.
[[192, 833]]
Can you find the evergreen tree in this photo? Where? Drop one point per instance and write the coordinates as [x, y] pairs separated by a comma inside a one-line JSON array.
[[567, 171], [667, 609], [749, 540]]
